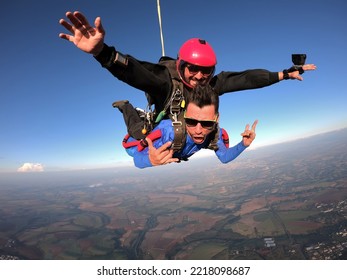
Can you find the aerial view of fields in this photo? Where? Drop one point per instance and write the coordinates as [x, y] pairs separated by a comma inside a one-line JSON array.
[[287, 201]]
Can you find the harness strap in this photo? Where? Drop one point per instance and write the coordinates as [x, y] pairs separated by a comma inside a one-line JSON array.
[[180, 135], [174, 105], [141, 144], [127, 144], [225, 137], [213, 143]]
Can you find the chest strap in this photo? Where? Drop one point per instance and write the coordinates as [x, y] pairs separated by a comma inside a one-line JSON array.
[[179, 127]]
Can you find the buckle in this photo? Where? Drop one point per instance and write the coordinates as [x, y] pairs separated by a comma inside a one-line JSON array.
[[176, 123]]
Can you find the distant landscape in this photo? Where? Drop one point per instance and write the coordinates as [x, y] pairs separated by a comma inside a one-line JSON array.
[[286, 201]]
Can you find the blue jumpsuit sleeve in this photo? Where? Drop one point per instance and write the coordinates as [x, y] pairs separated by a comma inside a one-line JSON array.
[[225, 154], [141, 158]]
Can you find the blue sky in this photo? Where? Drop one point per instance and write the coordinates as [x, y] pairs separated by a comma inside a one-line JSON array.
[[55, 108]]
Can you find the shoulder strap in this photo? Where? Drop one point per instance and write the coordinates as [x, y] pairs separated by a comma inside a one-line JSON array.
[[170, 64], [179, 127], [225, 137], [214, 136], [175, 105]]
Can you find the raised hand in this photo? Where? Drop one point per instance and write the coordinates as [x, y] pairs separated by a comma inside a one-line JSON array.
[[85, 37], [249, 134]]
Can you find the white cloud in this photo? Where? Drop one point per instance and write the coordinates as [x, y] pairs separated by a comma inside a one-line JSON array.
[[96, 185], [31, 167]]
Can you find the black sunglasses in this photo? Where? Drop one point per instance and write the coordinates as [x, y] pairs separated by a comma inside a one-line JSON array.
[[194, 69], [207, 124]]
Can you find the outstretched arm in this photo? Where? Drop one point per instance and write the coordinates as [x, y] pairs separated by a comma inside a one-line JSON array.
[[227, 81], [85, 37], [226, 155]]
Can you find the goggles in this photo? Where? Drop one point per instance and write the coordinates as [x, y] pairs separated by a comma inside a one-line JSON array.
[[194, 69], [207, 124]]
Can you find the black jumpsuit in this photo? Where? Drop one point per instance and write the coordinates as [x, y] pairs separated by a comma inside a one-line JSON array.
[[154, 78]]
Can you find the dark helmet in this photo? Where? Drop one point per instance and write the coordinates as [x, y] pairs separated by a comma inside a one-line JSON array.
[[195, 52]]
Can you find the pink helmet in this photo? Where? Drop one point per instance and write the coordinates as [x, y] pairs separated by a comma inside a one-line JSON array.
[[197, 52]]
